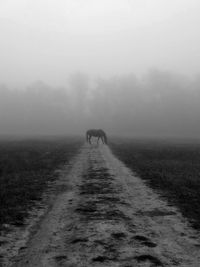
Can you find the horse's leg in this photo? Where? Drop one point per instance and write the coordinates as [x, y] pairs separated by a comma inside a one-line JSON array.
[[89, 139], [102, 139], [98, 139]]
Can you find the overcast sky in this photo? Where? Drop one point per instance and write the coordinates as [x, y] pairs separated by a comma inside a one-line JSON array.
[[131, 67], [48, 39]]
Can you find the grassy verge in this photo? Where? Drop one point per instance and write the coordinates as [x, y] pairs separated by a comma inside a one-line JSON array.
[[25, 168], [172, 169]]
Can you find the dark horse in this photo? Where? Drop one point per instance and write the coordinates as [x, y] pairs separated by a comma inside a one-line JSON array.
[[96, 133]]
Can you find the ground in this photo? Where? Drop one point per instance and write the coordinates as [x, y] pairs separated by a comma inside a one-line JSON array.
[[103, 215]]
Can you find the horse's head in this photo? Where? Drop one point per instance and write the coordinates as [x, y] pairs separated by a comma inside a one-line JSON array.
[[105, 139]]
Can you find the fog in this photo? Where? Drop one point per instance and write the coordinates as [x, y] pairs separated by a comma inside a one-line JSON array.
[[130, 67], [159, 104]]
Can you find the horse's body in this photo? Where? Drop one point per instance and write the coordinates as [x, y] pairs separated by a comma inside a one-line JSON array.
[[100, 134]]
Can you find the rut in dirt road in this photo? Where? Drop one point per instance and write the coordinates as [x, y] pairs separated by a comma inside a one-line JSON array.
[[109, 217]]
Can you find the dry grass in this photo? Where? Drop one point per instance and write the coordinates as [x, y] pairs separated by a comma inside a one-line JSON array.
[[173, 169], [25, 168]]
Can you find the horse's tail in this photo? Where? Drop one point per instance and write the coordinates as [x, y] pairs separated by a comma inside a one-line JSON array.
[[86, 137], [105, 139]]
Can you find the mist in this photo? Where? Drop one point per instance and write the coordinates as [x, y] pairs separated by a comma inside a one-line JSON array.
[[160, 104], [128, 67]]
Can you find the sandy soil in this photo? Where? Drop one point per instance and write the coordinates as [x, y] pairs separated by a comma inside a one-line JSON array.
[[106, 216]]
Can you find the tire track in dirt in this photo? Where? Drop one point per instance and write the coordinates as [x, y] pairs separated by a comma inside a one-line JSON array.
[[109, 217]]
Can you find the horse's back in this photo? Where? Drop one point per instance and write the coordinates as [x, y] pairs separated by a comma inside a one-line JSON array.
[[94, 132]]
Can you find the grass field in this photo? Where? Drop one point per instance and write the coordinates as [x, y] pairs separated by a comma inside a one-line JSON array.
[[171, 168], [25, 168]]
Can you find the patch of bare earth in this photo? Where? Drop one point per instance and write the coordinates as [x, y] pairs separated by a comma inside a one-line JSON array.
[[108, 217]]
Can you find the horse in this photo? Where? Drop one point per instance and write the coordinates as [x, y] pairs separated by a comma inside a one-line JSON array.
[[96, 133]]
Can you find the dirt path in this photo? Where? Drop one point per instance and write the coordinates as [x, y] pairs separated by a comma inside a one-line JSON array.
[[108, 217]]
